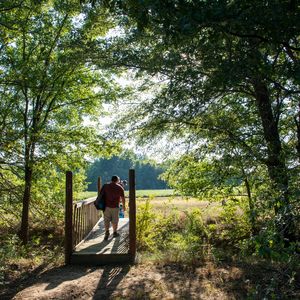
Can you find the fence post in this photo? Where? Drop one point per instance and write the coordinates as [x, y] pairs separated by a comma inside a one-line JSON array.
[[68, 217], [132, 214], [99, 185]]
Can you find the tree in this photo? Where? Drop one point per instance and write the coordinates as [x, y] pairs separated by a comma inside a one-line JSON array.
[[47, 91], [215, 55], [147, 172]]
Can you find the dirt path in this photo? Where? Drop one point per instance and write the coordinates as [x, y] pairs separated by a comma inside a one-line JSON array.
[[143, 281], [231, 280]]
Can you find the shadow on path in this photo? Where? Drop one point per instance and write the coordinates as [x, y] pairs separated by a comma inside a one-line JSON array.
[[110, 280], [67, 282]]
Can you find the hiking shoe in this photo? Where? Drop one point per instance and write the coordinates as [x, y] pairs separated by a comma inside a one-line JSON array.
[[106, 235], [116, 234]]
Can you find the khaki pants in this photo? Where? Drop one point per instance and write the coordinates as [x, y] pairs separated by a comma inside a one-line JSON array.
[[111, 215]]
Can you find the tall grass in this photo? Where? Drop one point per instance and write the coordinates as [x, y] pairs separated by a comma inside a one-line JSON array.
[[171, 235]]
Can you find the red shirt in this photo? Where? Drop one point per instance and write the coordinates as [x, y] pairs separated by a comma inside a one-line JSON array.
[[113, 193]]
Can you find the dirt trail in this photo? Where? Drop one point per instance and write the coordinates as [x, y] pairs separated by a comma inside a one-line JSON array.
[[143, 281]]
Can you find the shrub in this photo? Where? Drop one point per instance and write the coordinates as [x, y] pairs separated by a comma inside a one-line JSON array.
[[235, 225], [172, 237], [187, 244], [10, 248], [145, 227]]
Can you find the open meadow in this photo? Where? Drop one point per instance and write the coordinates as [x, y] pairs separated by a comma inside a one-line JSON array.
[[167, 201], [139, 193], [179, 203]]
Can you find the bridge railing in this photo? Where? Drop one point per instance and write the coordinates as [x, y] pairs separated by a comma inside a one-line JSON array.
[[85, 217], [80, 218]]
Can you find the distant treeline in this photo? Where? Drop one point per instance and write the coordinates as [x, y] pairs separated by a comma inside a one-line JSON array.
[[147, 172]]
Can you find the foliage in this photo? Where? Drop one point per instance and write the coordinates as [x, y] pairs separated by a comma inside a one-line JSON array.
[[189, 245], [49, 96], [182, 241], [236, 226], [48, 195], [172, 238], [199, 178], [268, 244], [11, 248], [182, 236], [145, 229], [155, 193], [230, 87]]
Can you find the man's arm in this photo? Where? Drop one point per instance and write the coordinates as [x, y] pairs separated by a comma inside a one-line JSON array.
[[123, 202], [123, 198]]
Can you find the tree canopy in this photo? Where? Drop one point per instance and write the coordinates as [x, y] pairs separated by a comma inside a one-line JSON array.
[[220, 76], [230, 73], [48, 91]]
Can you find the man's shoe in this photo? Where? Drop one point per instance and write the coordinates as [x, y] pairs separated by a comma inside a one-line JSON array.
[[116, 234], [106, 235]]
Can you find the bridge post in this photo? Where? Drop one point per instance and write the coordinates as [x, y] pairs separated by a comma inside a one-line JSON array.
[[68, 217], [99, 185], [132, 214]]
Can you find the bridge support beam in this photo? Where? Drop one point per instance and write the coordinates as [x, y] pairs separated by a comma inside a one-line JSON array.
[[132, 214], [99, 185], [69, 217]]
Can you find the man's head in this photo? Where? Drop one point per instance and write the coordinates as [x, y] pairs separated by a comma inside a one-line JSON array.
[[115, 178]]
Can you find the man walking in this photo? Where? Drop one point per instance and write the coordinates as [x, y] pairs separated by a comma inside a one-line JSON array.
[[113, 193]]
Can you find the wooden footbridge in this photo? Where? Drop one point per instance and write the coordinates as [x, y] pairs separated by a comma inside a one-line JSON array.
[[84, 230]]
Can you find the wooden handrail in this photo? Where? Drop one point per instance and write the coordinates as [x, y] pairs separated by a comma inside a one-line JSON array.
[[85, 201], [85, 217], [80, 218]]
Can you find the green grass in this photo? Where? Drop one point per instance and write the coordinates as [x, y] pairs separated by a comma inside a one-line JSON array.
[[139, 194], [166, 205], [153, 193], [85, 195], [165, 201]]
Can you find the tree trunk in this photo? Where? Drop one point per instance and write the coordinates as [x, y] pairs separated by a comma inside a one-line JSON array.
[[251, 204], [275, 161], [26, 200], [297, 122]]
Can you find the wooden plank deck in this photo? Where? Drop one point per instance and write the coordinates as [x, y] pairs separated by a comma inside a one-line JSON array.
[[94, 250]]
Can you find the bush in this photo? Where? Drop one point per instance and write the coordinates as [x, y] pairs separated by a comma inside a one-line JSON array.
[[235, 225], [187, 242], [10, 248], [145, 219], [172, 238]]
